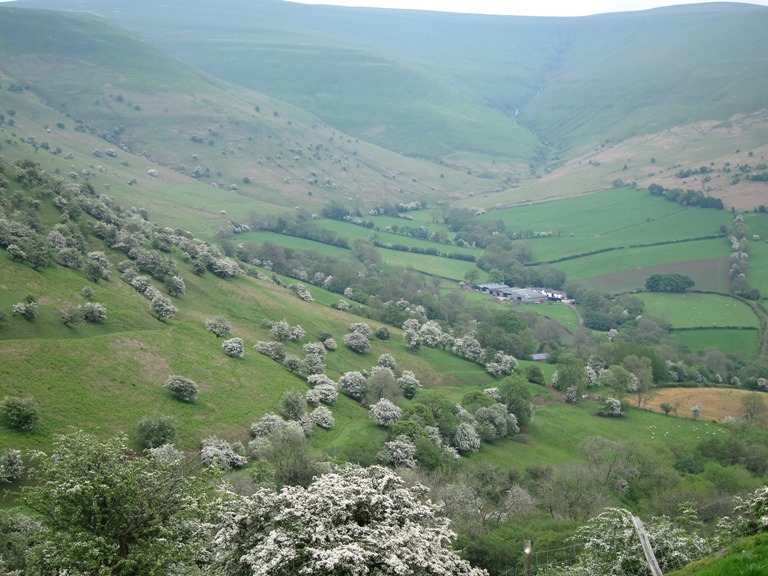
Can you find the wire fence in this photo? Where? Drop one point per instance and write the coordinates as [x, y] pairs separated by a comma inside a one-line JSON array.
[[635, 558]]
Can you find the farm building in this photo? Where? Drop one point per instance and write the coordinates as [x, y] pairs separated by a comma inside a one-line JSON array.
[[523, 295]]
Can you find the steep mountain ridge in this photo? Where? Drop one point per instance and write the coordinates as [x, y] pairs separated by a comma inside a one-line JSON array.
[[392, 77]]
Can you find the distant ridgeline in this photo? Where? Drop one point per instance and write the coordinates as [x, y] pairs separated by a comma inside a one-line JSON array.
[[686, 197]]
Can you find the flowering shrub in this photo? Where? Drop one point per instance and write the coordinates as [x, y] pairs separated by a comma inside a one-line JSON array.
[[351, 521], [611, 407], [353, 384], [385, 413], [218, 453], [26, 309], [388, 361], [302, 292], [409, 384], [283, 331], [330, 344], [752, 512], [233, 347], [93, 312], [611, 545], [494, 393], [325, 393], [274, 350], [398, 452], [317, 379], [431, 334], [266, 424], [19, 413], [224, 267], [494, 422], [357, 342], [182, 388], [466, 438], [468, 347], [175, 286], [218, 326], [11, 466], [322, 417], [342, 305], [163, 308], [314, 360]]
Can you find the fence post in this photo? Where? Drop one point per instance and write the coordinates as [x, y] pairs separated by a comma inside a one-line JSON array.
[[527, 551], [649, 555]]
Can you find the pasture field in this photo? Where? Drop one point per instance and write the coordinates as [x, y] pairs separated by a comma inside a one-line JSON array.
[[708, 274], [563, 314], [614, 217], [694, 310], [745, 342], [629, 260], [354, 232], [434, 265], [547, 440], [716, 403], [292, 242]]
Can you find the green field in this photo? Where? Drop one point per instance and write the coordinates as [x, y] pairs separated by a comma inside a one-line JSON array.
[[742, 342], [619, 217], [693, 310], [627, 269]]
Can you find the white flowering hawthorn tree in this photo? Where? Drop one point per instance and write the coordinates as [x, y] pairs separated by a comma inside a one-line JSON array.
[[163, 308], [218, 453], [357, 341], [353, 521], [11, 466], [409, 384], [466, 439], [388, 361], [611, 545], [323, 417], [182, 388], [385, 413], [325, 393], [109, 511], [399, 452], [353, 384], [233, 347], [218, 326]]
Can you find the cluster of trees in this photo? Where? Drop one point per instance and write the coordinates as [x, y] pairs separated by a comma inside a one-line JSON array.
[[158, 514], [603, 313], [670, 282], [739, 260], [686, 197]]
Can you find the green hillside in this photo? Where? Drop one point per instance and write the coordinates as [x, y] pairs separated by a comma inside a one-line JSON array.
[[507, 96], [142, 198]]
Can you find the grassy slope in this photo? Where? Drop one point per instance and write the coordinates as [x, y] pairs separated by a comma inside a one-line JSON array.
[[152, 106], [747, 557], [146, 350]]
